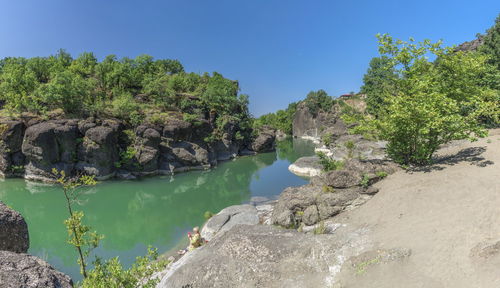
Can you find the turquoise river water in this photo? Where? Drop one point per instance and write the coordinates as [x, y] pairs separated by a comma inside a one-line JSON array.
[[155, 211]]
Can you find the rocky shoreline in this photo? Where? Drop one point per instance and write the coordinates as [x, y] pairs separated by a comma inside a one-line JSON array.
[[18, 269], [107, 148], [248, 241]]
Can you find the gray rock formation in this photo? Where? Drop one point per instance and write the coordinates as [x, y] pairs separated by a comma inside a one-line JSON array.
[[471, 45], [305, 124], [306, 166], [106, 148], [228, 218], [13, 231], [26, 271], [265, 256], [11, 139], [50, 145], [330, 193], [355, 146], [265, 141], [97, 153]]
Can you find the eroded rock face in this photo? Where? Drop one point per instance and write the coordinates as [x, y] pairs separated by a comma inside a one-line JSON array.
[[23, 270], [305, 124], [49, 145], [265, 141], [98, 151], [330, 193], [264, 256], [106, 147], [13, 231], [11, 157]]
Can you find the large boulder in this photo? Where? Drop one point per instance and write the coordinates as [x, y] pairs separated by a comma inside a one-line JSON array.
[[26, 271], [183, 156], [265, 256], [228, 218], [310, 204], [98, 151], [306, 166], [48, 145], [13, 231], [265, 141]]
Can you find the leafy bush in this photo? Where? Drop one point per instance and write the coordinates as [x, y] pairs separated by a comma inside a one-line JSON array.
[[365, 181], [110, 273], [329, 164], [327, 139]]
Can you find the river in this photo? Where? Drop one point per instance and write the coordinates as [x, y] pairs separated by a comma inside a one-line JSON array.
[[155, 211]]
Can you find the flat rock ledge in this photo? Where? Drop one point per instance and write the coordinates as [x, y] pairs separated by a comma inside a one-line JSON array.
[[266, 256], [227, 218], [306, 167], [26, 271]]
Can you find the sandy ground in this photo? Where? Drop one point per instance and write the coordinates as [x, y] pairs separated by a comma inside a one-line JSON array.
[[447, 215]]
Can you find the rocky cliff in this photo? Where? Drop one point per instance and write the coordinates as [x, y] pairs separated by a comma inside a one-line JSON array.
[[31, 148], [307, 125]]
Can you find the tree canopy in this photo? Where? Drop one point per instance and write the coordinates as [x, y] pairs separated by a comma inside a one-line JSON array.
[[430, 103], [133, 90]]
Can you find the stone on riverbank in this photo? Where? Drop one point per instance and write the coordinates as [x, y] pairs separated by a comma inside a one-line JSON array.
[[228, 218], [306, 166], [26, 271], [13, 231]]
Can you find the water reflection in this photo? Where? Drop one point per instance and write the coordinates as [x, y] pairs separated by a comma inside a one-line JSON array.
[[156, 211]]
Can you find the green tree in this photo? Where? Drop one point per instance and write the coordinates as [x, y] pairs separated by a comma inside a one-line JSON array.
[[109, 273], [432, 103], [378, 83], [79, 234], [491, 44], [318, 101]]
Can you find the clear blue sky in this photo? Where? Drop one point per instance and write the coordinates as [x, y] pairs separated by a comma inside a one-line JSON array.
[[278, 50]]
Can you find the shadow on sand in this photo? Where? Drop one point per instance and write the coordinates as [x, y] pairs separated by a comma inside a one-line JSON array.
[[472, 155]]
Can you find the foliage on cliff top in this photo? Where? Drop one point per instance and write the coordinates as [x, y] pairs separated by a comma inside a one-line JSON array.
[[315, 101], [280, 120], [127, 89]]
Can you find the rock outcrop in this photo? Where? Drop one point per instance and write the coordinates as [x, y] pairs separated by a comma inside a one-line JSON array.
[[306, 166], [11, 138], [18, 269], [228, 218], [330, 193], [307, 125], [355, 146], [108, 148], [265, 256], [23, 270], [13, 231], [265, 141]]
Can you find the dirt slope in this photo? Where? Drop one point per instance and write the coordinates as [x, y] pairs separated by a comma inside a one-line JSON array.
[[447, 215]]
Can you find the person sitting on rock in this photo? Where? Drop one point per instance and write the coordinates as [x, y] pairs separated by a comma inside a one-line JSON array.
[[195, 241]]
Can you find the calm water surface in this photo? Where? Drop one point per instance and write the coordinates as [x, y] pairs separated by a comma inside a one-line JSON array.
[[154, 211]]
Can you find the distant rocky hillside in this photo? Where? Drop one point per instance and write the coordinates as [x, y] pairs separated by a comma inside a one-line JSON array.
[[471, 45]]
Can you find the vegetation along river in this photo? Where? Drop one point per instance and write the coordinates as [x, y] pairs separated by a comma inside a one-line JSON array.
[[155, 211]]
